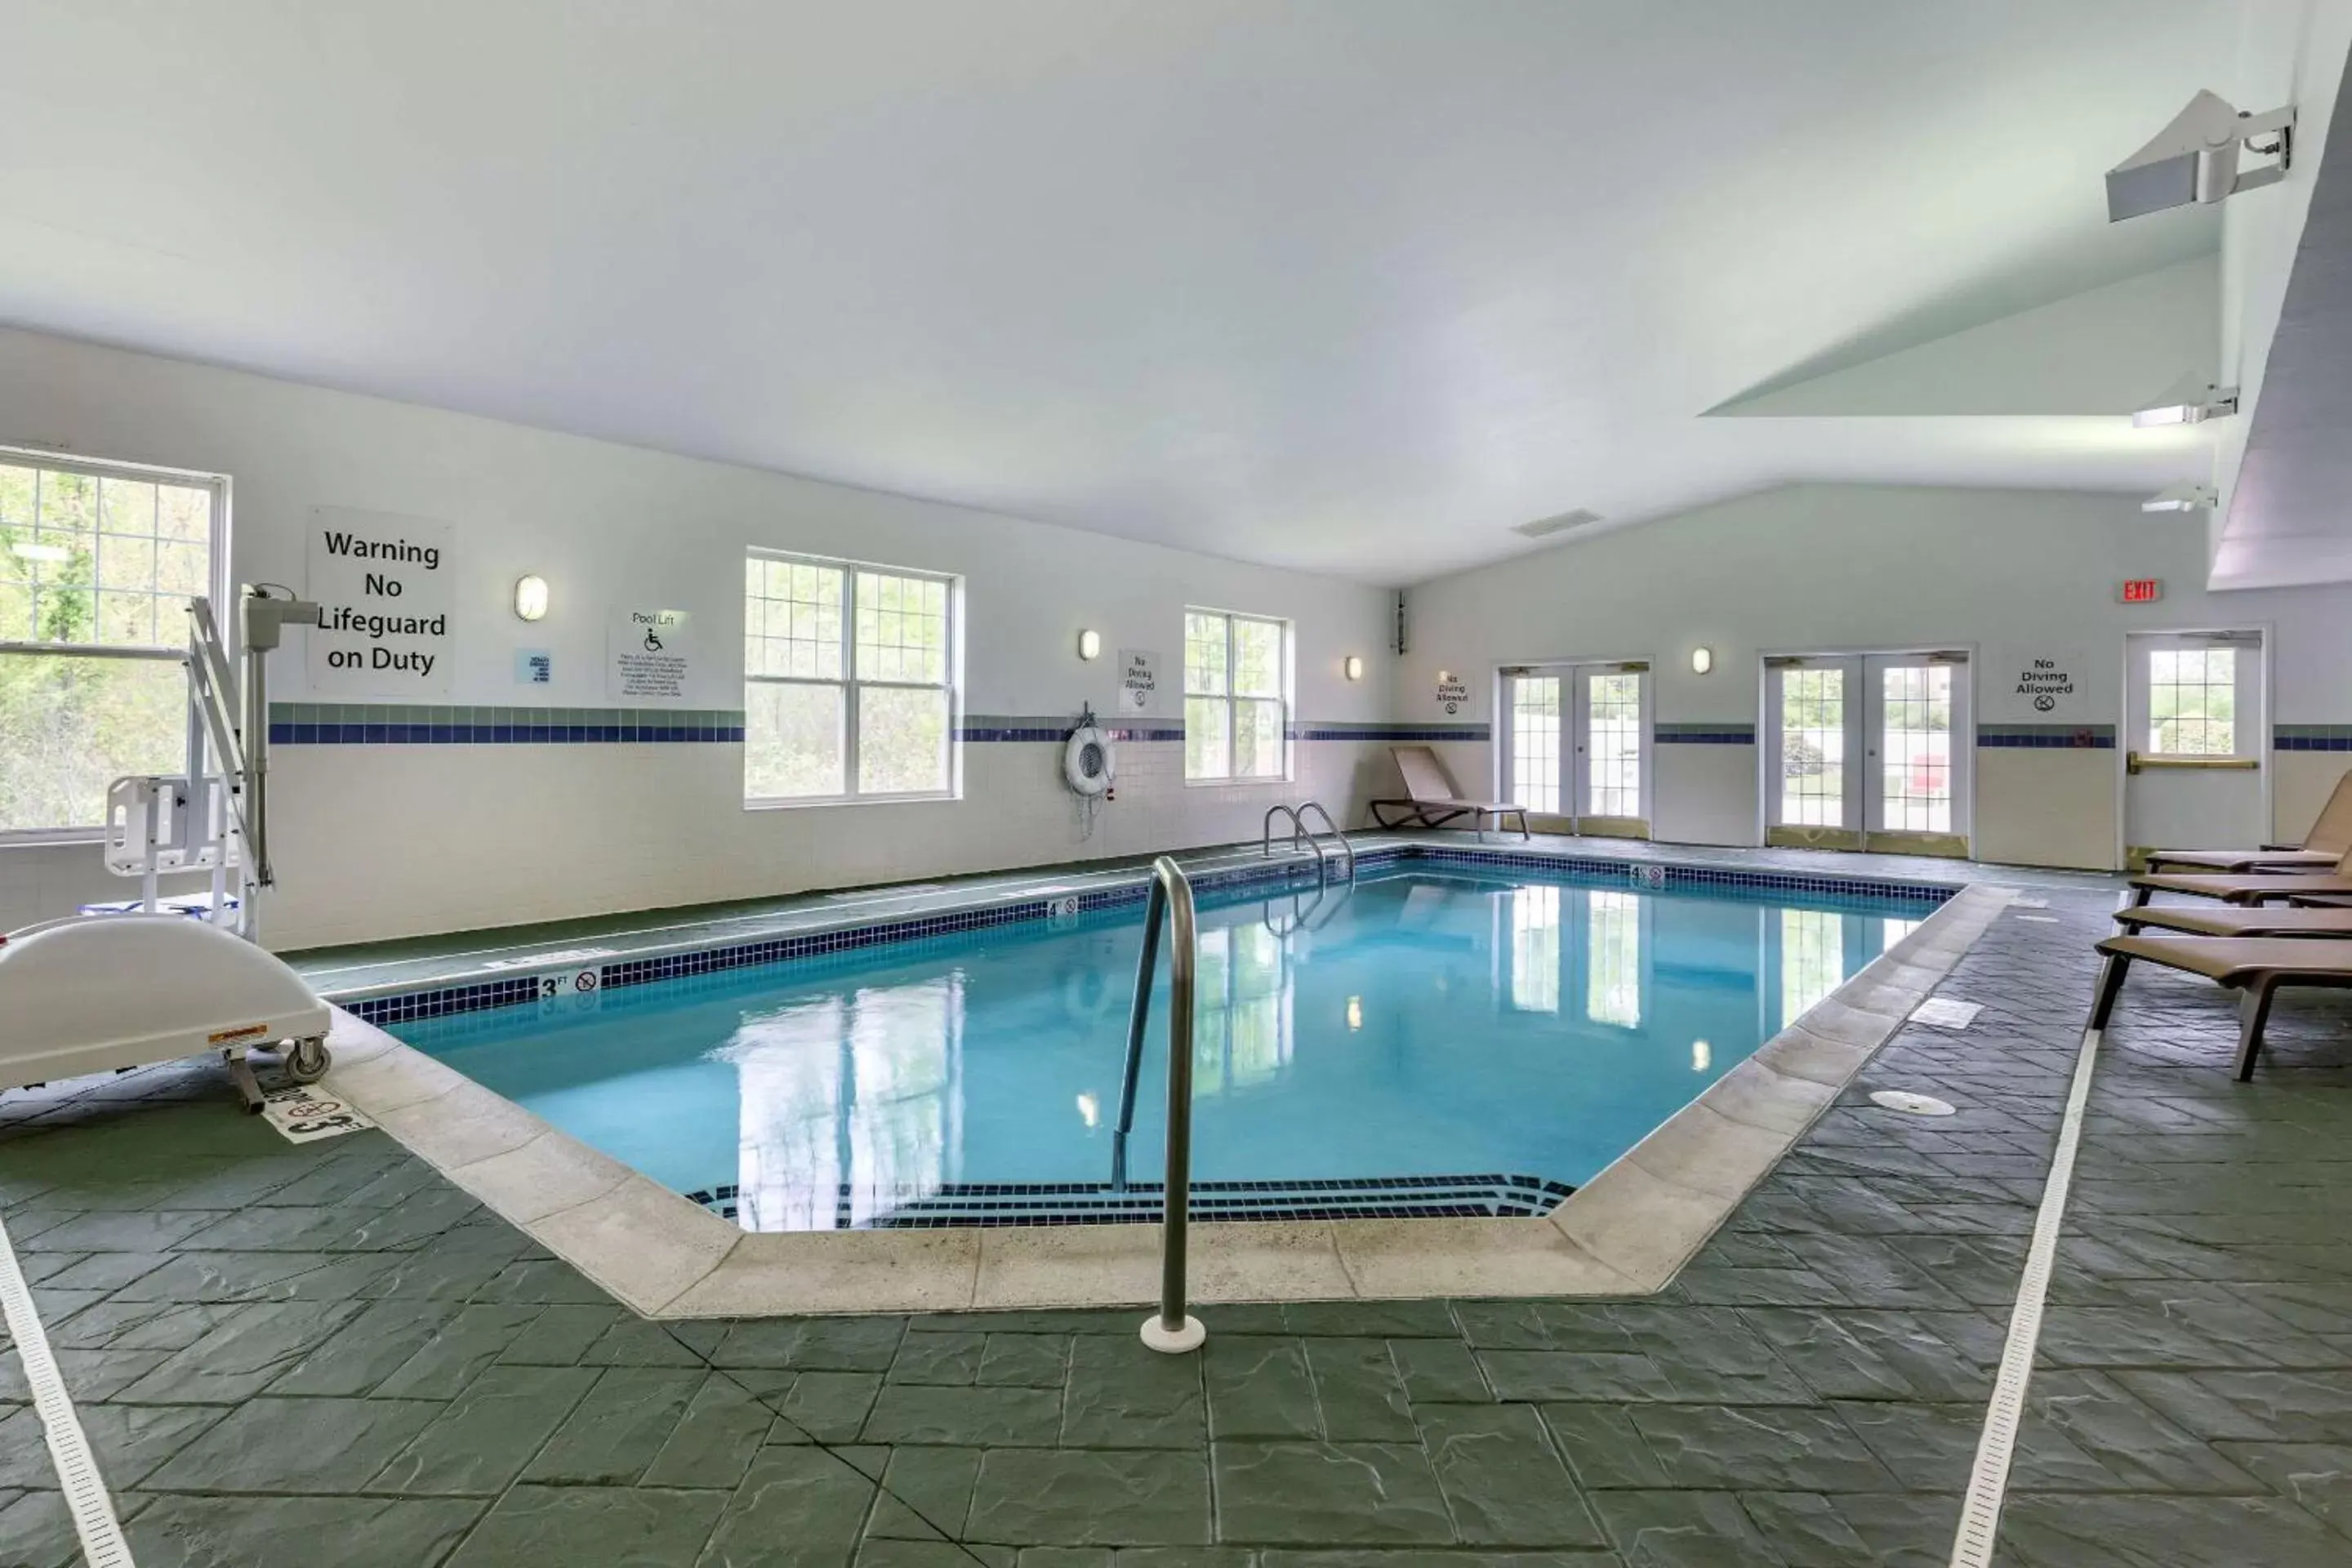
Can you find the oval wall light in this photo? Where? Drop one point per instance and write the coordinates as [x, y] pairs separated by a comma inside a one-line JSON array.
[[1089, 644], [530, 597], [1702, 661], [1353, 666]]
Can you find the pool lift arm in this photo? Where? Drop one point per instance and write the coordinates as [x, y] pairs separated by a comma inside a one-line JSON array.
[[123, 986]]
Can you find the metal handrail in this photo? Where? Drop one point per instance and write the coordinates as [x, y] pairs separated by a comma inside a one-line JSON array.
[[1170, 901], [1300, 816]]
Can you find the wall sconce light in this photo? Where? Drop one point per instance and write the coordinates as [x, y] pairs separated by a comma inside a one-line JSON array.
[[1089, 644], [1702, 661], [530, 597], [1352, 666]]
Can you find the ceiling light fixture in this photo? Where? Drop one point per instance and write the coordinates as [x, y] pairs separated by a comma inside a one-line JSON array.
[[2194, 159], [2179, 498], [2190, 406]]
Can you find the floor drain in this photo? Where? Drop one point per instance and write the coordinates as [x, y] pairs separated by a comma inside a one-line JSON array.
[[1912, 1104]]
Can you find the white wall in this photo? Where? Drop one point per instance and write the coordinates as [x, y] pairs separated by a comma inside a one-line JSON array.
[[378, 841], [2011, 575]]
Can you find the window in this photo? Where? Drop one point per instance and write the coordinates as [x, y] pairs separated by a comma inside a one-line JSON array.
[[848, 681], [96, 566], [1237, 671], [2193, 701], [1615, 722], [1916, 747], [1535, 742], [1812, 747]]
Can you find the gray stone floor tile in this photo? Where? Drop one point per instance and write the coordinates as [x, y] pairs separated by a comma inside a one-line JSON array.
[[1123, 1395], [591, 1527], [367, 1349], [1026, 1361], [1585, 1326], [1359, 1391], [832, 1407], [916, 1413], [882, 1553], [1603, 1448], [1294, 1493], [128, 1440], [2134, 1531], [1390, 1319], [561, 1334], [798, 1508], [483, 1439], [38, 1532], [1079, 1498], [635, 1341], [925, 1494], [1761, 1447], [1806, 1527], [1502, 1482], [2317, 1477], [1682, 1529], [714, 1442], [241, 1353], [456, 1350], [1903, 1530], [298, 1532], [614, 1432], [1573, 1375], [1259, 1388], [322, 1445], [812, 1344], [948, 1360], [1440, 1371]]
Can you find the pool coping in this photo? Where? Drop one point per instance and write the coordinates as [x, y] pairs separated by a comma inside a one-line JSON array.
[[1626, 1233]]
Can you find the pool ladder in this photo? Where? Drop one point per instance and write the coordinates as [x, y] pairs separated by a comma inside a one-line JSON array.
[[1171, 1328], [1301, 833]]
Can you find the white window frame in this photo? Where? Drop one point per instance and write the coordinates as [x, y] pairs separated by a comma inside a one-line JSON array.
[[216, 588], [849, 684], [1282, 698]]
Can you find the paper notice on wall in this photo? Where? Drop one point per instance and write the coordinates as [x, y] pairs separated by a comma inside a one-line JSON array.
[[649, 656], [1138, 681], [382, 583]]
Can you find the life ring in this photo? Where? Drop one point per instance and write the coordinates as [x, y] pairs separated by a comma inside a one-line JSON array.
[[1087, 763]]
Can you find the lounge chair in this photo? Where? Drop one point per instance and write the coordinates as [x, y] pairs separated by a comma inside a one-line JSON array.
[[2330, 836], [2256, 967], [2194, 920], [2253, 889], [1434, 802]]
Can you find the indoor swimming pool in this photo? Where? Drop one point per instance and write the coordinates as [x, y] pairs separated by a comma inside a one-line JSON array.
[[1428, 1041]]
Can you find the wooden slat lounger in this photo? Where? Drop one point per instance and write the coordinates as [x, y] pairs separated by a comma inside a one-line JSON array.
[[2256, 967], [1434, 802], [2248, 890], [2330, 836]]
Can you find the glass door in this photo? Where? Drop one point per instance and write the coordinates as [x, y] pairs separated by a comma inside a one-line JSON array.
[[2193, 740], [1576, 746], [1868, 752]]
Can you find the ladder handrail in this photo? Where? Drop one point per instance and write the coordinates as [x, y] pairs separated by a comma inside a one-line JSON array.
[[1169, 900], [1300, 816]]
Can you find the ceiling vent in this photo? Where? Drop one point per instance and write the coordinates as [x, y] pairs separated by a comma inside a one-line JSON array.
[[1544, 526]]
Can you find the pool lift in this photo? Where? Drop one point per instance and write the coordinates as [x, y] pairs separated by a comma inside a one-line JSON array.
[[163, 976]]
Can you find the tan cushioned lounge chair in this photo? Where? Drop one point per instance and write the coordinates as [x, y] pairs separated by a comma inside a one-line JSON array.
[[2330, 836], [2257, 888], [2254, 966], [1433, 801], [2204, 919]]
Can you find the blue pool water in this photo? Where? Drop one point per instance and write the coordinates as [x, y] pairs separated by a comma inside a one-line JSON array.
[[1426, 1023]]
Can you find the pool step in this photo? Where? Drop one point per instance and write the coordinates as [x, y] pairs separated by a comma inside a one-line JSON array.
[[1099, 1203]]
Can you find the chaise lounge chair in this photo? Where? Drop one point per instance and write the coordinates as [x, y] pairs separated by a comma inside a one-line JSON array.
[[1434, 802], [2256, 888], [2256, 967], [2193, 920], [2330, 836]]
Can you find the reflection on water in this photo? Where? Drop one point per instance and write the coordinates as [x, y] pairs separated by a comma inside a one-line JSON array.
[[1613, 961]]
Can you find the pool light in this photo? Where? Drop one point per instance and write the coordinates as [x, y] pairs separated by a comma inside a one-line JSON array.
[[1355, 1014], [530, 598], [1090, 1110], [1702, 661], [1090, 645]]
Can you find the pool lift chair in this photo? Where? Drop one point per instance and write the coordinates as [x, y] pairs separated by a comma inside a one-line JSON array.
[[158, 978]]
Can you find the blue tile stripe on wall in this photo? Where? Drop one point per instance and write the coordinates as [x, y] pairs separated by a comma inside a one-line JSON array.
[[1705, 734], [2048, 737], [417, 724], [1649, 875], [2312, 737]]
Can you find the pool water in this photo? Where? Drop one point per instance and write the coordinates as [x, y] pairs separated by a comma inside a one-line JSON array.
[[1421, 1024]]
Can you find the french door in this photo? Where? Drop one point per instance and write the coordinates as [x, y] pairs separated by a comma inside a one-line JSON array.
[[1869, 752], [1576, 746]]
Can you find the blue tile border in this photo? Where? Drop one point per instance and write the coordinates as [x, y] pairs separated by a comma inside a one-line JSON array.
[[2312, 737], [435, 1001], [2047, 737], [1703, 734]]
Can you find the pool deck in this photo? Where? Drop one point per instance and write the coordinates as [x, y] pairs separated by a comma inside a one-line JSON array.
[[274, 1346]]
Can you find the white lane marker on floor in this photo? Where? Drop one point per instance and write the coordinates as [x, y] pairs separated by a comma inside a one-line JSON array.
[[1988, 1482], [85, 1489]]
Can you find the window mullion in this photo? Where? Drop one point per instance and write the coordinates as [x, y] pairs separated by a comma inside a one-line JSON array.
[[851, 705]]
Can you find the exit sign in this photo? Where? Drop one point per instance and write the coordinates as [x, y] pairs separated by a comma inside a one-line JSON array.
[[2142, 590]]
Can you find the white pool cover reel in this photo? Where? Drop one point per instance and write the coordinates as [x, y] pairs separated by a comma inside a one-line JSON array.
[[98, 993], [1088, 763]]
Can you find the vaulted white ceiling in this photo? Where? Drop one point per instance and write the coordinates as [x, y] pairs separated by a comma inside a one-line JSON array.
[[1348, 285]]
